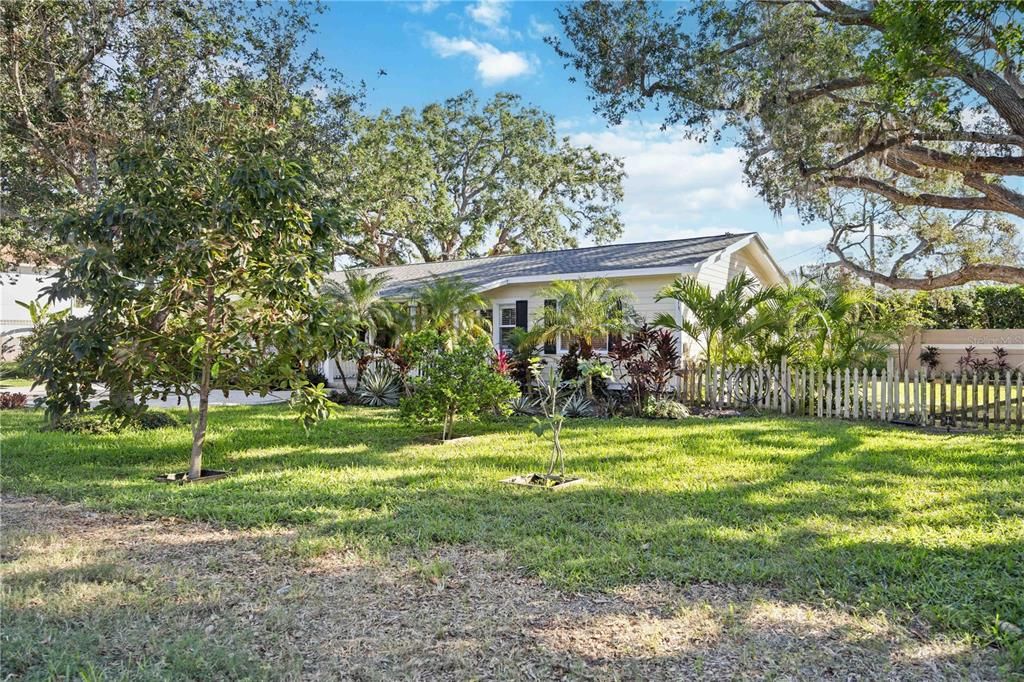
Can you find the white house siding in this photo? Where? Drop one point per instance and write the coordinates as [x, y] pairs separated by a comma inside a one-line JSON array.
[[643, 288], [751, 258]]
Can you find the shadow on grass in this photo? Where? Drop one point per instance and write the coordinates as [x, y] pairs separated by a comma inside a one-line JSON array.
[[872, 517]]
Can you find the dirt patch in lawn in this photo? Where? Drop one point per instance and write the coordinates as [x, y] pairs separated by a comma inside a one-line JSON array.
[[87, 592]]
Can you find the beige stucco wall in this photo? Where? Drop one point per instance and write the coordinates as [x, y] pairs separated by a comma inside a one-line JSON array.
[[953, 342]]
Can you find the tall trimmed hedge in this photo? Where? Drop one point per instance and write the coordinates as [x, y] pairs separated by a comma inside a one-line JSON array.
[[985, 307]]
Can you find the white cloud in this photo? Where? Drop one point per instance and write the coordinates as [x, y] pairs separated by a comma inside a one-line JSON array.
[[674, 184], [807, 237], [540, 29], [425, 6], [492, 65], [489, 13]]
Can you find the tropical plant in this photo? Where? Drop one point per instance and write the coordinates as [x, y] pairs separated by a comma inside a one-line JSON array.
[[719, 321], [929, 357], [585, 310], [664, 408], [553, 393], [380, 387], [648, 359], [578, 405], [523, 406], [12, 400], [523, 354], [360, 314], [452, 306], [455, 381]]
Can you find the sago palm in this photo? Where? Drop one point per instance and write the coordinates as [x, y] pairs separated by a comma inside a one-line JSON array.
[[451, 305], [719, 321]]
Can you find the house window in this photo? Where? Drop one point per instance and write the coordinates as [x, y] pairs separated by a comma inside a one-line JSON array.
[[599, 344], [506, 323]]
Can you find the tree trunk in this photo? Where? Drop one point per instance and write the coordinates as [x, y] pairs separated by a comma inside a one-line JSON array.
[[341, 373], [195, 466]]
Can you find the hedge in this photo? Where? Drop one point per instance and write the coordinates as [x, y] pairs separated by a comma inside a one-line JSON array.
[[984, 307]]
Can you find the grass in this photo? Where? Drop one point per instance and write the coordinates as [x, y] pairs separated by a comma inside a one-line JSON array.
[[869, 517]]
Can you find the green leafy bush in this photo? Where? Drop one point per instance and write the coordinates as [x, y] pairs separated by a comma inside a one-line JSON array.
[[985, 307], [456, 381], [102, 422]]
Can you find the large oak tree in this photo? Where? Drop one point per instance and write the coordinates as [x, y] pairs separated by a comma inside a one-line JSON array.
[[900, 122], [461, 179]]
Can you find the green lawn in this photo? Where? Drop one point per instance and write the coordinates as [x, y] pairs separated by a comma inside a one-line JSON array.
[[866, 516]]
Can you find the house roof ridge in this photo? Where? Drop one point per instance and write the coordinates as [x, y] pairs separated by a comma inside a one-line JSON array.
[[710, 237]]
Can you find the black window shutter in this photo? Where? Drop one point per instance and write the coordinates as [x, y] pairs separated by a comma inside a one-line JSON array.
[[549, 346], [615, 338], [522, 310]]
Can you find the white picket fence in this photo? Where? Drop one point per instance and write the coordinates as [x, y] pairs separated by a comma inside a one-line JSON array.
[[993, 401]]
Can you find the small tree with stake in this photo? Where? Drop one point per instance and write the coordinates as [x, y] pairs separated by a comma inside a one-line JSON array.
[[552, 397]]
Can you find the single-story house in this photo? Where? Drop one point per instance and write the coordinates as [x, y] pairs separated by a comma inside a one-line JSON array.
[[511, 284]]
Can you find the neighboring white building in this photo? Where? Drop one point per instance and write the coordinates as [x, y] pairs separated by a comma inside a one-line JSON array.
[[25, 284], [511, 283]]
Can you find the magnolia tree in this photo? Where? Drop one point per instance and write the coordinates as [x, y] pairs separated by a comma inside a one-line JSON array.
[[208, 249]]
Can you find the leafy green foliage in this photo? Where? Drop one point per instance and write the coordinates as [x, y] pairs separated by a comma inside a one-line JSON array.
[[451, 306], [664, 408], [201, 262], [81, 79], [898, 122], [723, 321], [459, 179], [584, 310], [983, 307], [455, 381]]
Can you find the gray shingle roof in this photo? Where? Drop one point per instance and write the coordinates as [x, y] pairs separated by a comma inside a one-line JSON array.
[[406, 279]]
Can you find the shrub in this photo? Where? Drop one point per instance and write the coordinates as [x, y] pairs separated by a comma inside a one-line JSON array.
[[456, 381], [930, 357], [316, 377], [14, 369], [664, 408], [649, 358], [156, 419], [379, 387], [11, 401], [103, 422]]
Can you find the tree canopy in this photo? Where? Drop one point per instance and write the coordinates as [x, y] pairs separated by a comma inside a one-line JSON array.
[[461, 179], [80, 79], [202, 259], [899, 122]]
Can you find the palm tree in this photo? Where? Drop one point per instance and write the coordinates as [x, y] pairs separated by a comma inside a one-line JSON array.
[[362, 312], [451, 305], [718, 322], [584, 309]]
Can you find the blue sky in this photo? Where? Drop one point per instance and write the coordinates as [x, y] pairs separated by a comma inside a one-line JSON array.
[[436, 49]]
